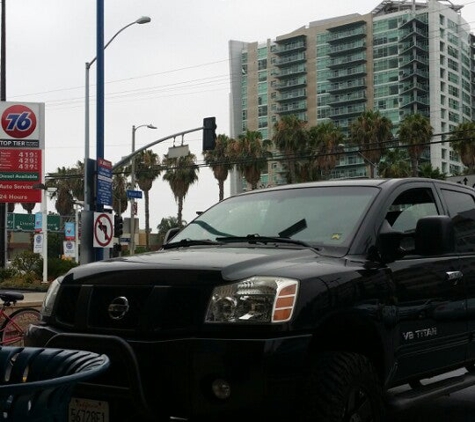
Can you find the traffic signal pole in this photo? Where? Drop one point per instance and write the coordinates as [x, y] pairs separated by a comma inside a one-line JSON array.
[[87, 250], [125, 160]]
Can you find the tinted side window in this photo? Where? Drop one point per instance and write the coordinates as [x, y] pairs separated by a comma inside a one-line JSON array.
[[462, 211], [409, 207]]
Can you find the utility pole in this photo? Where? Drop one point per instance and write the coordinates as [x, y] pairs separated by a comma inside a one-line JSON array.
[[3, 97]]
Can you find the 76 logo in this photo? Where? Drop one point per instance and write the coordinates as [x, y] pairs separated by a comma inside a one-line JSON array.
[[18, 121]]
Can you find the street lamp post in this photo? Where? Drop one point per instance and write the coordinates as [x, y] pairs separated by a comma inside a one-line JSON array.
[[44, 226], [132, 182], [86, 248]]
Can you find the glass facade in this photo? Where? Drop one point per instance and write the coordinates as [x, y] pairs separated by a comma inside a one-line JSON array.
[[401, 59]]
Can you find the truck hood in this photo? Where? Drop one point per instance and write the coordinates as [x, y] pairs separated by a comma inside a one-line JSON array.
[[231, 262]]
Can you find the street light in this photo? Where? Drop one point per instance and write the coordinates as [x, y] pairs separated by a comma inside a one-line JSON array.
[[44, 226], [86, 252], [132, 182]]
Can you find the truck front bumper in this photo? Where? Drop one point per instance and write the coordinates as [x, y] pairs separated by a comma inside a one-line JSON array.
[[189, 378]]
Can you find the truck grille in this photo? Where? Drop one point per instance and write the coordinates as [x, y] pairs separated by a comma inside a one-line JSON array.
[[152, 309]]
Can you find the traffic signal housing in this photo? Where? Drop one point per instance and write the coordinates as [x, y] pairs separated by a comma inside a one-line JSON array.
[[209, 133], [118, 225]]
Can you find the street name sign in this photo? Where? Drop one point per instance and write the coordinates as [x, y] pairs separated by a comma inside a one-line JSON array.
[[134, 193]]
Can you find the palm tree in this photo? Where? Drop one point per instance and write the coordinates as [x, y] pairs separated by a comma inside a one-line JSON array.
[[28, 206], [219, 161], [76, 181], [69, 185], [147, 166], [64, 198], [415, 131], [250, 153], [291, 140], [119, 192], [371, 131], [167, 224], [462, 140], [181, 173], [395, 163], [326, 141], [428, 171]]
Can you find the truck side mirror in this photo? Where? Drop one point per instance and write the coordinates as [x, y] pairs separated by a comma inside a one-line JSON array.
[[171, 233], [435, 235], [389, 242]]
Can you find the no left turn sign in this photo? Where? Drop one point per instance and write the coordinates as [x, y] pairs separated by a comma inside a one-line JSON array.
[[103, 230]]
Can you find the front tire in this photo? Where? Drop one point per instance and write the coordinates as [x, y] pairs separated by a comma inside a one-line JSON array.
[[342, 387]]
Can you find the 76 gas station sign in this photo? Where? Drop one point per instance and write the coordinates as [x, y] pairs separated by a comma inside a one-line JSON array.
[[21, 151]]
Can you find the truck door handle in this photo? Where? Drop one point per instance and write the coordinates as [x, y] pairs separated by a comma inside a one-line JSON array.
[[454, 276]]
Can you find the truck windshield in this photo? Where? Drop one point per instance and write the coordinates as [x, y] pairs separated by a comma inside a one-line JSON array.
[[319, 216]]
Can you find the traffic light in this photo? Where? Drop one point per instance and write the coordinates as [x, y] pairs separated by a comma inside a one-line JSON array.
[[209, 133], [118, 225]]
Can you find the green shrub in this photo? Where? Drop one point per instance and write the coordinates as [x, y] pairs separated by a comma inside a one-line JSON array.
[[7, 273], [58, 266], [141, 249], [27, 262]]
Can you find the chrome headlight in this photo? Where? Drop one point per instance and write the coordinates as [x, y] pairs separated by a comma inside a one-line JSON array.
[[254, 300], [50, 298]]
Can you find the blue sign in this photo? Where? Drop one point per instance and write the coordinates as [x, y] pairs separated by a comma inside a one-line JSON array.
[[104, 182], [38, 221], [134, 193], [69, 232]]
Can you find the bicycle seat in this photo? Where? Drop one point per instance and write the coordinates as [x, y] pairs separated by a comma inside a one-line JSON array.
[[11, 296]]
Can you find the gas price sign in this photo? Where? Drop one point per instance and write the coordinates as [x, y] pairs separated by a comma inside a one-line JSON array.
[[21, 151]]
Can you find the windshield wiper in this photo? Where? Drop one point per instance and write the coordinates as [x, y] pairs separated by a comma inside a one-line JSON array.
[[255, 238], [209, 228], [294, 228], [190, 242]]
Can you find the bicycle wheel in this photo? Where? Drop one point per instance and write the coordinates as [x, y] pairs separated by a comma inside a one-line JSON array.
[[15, 326]]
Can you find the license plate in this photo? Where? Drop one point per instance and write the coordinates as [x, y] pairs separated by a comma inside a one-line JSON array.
[[84, 410]]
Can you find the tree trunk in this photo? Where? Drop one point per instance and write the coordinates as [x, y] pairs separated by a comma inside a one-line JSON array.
[[415, 166], [221, 189], [147, 220], [180, 210]]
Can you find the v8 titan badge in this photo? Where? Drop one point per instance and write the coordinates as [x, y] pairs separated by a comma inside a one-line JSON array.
[[18, 121], [103, 230]]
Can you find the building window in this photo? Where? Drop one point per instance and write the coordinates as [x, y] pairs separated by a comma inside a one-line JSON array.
[[453, 91], [453, 78], [454, 104], [452, 64]]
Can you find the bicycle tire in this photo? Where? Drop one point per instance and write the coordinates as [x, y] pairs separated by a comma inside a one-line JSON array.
[[14, 328]]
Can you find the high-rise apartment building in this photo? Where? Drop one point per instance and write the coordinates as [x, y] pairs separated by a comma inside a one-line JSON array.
[[403, 57]]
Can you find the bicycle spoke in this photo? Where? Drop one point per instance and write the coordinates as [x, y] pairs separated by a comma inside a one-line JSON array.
[[16, 324]]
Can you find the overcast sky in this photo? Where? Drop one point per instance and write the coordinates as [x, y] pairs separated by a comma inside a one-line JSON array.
[[171, 72]]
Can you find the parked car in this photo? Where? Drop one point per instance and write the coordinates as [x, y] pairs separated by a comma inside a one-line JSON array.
[[308, 301]]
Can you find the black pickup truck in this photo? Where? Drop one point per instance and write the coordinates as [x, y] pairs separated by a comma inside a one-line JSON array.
[[312, 300]]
